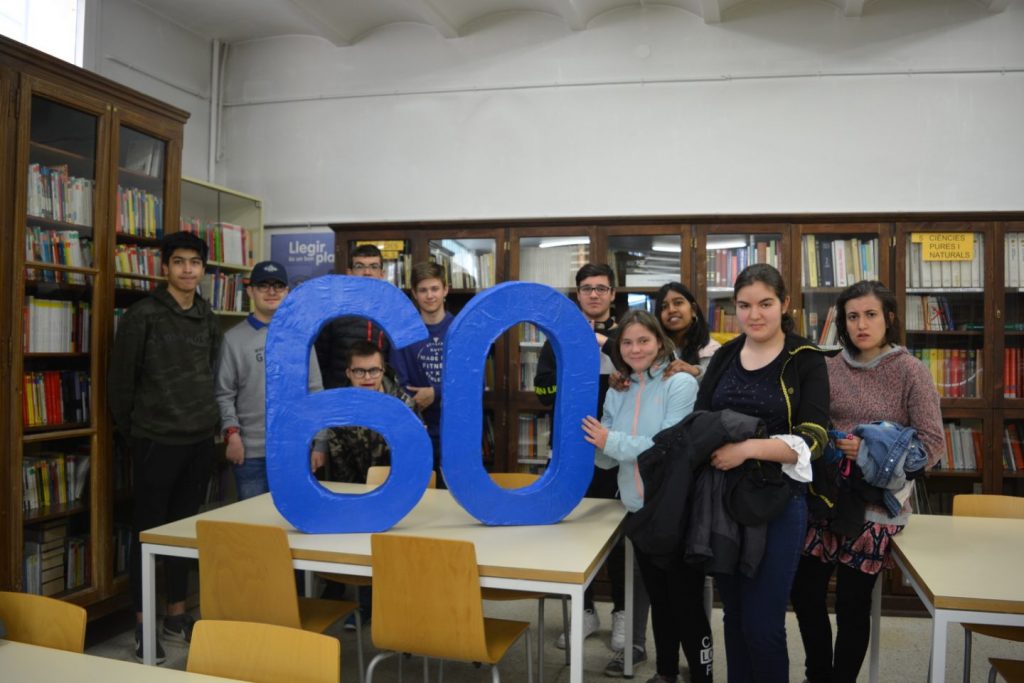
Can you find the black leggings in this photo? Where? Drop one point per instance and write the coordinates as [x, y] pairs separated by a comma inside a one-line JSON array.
[[853, 619], [676, 591]]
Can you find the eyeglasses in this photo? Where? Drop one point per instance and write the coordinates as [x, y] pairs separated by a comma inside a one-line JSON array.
[[372, 267], [264, 287], [362, 373], [587, 290]]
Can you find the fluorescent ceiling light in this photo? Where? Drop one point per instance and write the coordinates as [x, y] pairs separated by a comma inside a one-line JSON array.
[[563, 242], [669, 246], [728, 243]]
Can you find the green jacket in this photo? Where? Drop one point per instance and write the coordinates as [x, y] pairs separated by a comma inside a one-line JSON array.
[[160, 383]]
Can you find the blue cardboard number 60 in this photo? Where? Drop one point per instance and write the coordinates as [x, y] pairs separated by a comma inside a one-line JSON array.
[[294, 415]]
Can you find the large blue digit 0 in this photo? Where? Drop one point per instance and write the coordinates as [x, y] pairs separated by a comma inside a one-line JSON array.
[[294, 415], [470, 336]]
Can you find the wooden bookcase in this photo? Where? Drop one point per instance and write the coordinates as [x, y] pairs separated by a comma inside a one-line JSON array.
[[88, 169]]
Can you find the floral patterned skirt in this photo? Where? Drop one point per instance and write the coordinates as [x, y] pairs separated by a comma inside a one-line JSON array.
[[866, 552]]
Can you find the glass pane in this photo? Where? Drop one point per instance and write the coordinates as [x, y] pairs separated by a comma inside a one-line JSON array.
[[468, 263], [226, 223], [397, 255], [830, 263], [1013, 316], [945, 311], [553, 260], [644, 261], [140, 184], [726, 256]]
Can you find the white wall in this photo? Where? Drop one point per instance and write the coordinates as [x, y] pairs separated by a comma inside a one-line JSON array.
[[133, 46], [647, 112]]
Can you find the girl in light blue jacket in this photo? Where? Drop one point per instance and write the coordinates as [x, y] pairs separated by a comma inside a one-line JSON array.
[[631, 418]]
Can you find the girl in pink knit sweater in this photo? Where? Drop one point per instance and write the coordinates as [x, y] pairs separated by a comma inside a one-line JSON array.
[[872, 378]]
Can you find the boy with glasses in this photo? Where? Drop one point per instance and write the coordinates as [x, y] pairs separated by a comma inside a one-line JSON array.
[[241, 387]]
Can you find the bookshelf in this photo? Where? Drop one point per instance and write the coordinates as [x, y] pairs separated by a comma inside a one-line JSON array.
[[88, 177], [231, 224]]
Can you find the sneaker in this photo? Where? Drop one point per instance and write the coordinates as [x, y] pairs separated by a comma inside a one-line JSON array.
[[591, 622], [617, 665], [161, 657], [618, 631], [179, 627]]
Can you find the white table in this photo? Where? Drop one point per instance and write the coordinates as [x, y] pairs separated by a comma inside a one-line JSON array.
[[33, 664], [965, 570], [560, 559]]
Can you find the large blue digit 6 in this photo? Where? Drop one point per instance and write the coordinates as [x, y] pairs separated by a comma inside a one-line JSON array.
[[294, 415], [471, 334]]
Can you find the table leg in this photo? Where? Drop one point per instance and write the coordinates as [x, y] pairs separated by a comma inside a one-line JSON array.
[[576, 636], [148, 606], [627, 662], [876, 630], [938, 662]]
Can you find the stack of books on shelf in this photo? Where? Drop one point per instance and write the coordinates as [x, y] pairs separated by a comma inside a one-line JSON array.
[[929, 313], [831, 262], [62, 247], [56, 397], [964, 448], [946, 274], [723, 265], [225, 291], [55, 326], [1013, 372], [531, 341], [53, 479], [129, 258], [534, 438], [1013, 447], [464, 268], [823, 332], [139, 213], [44, 557], [722, 318], [554, 266], [56, 195], [227, 243], [76, 566], [956, 372], [1013, 259]]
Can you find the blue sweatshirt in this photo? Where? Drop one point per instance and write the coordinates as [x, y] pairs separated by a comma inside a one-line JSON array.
[[634, 416], [420, 365]]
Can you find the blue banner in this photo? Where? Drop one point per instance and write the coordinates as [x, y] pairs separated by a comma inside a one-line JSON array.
[[305, 255]]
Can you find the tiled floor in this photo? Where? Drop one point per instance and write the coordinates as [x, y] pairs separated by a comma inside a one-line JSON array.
[[905, 646]]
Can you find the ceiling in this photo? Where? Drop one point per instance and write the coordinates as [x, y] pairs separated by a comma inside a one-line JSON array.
[[344, 22]]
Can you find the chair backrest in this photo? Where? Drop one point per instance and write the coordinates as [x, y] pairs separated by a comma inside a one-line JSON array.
[[513, 480], [988, 505], [426, 597], [378, 474], [42, 621], [263, 653], [245, 574]]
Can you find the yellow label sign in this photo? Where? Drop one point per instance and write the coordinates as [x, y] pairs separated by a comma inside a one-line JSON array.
[[384, 245], [947, 246]]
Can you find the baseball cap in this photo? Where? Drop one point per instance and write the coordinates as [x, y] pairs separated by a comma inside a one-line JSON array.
[[268, 271]]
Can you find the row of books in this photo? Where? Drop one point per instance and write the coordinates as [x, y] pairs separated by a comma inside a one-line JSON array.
[[531, 334], [56, 397], [965, 449], [398, 270], [723, 265], [63, 247], [55, 325], [139, 213], [722, 317], [829, 262], [464, 268], [53, 479], [135, 284], [528, 357], [1013, 259], [957, 372], [821, 330], [555, 266], [1013, 372], [534, 438], [129, 258], [942, 274], [227, 242], [225, 291], [929, 313], [55, 562], [1013, 449], [55, 194]]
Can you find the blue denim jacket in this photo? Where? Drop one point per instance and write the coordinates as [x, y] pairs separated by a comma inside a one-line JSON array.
[[887, 452]]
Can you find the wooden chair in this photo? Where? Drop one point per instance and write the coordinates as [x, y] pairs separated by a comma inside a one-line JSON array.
[[987, 505], [517, 480], [427, 602], [245, 574], [1012, 670], [263, 653], [43, 621]]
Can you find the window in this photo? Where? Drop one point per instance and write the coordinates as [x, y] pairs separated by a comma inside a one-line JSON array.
[[52, 26]]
